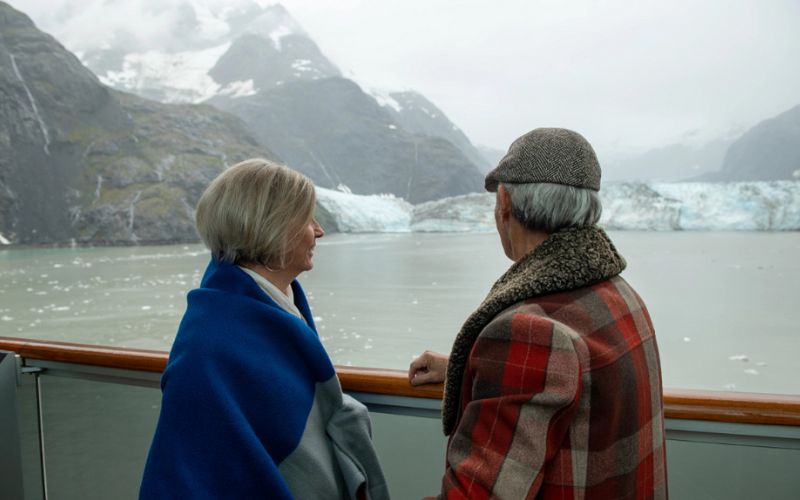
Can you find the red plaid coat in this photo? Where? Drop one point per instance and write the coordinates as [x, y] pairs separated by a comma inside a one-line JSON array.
[[558, 395]]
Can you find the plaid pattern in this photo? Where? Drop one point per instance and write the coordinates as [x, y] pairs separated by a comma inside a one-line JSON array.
[[561, 398]]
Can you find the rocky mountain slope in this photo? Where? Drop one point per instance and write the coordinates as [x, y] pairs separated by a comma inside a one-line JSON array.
[[332, 131], [81, 162], [416, 114], [768, 151]]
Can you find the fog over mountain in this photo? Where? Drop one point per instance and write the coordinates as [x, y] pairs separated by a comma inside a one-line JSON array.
[[634, 77], [631, 76], [675, 162], [259, 64]]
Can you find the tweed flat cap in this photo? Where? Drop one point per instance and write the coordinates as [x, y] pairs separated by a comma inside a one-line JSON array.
[[553, 155]]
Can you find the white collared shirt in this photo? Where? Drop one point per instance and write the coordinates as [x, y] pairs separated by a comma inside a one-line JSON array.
[[284, 301]]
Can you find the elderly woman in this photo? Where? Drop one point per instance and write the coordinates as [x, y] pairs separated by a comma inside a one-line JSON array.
[[252, 407]]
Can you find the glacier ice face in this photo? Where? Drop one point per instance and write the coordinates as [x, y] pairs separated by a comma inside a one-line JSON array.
[[698, 206], [467, 213], [694, 206], [354, 213]]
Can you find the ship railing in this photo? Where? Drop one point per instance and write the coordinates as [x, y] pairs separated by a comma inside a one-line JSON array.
[[85, 416]]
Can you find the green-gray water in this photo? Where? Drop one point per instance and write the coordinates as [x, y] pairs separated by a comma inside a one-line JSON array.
[[724, 304]]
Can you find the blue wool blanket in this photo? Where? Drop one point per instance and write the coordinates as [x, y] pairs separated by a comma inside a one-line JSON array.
[[252, 407]]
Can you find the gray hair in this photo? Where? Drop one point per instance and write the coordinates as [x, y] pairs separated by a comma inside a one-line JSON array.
[[550, 207], [254, 212]]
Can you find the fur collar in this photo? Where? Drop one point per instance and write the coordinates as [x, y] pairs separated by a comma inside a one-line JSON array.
[[568, 259]]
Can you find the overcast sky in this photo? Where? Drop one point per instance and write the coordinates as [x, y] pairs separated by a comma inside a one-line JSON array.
[[629, 75]]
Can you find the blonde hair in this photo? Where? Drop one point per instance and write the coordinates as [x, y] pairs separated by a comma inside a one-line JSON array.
[[254, 212]]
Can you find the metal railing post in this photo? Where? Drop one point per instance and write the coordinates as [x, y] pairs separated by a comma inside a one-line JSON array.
[[40, 422], [11, 480]]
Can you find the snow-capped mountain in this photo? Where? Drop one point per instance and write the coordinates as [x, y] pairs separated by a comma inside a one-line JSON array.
[[231, 52], [259, 64]]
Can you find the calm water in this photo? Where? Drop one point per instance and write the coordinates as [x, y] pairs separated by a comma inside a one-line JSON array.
[[725, 305]]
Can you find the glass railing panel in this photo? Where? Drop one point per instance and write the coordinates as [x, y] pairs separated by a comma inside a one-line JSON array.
[[411, 451], [96, 437], [718, 471]]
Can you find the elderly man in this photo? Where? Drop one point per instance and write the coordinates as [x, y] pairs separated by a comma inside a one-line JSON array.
[[553, 385]]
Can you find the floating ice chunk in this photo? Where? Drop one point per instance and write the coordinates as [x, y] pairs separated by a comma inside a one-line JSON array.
[[761, 363], [415, 302], [729, 387], [146, 308], [739, 357], [6, 318], [751, 371], [687, 339], [62, 308], [317, 319]]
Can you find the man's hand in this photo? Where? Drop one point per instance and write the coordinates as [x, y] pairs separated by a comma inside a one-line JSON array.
[[429, 368]]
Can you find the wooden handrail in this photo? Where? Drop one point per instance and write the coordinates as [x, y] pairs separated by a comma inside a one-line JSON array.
[[747, 408]]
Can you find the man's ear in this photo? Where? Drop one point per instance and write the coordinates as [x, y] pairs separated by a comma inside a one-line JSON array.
[[503, 202]]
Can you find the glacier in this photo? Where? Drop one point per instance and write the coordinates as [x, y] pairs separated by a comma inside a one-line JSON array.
[[375, 213], [685, 206]]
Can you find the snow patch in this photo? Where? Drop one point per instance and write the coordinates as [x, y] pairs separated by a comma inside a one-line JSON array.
[[239, 88], [383, 99], [3, 240], [303, 65], [183, 76]]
